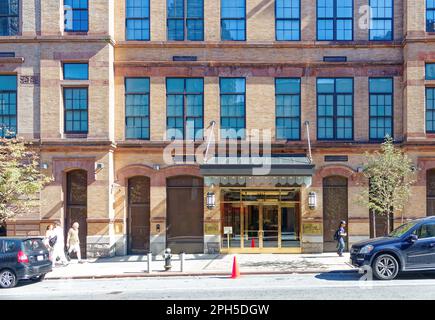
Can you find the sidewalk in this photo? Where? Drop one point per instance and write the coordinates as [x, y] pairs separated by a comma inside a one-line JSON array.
[[203, 264]]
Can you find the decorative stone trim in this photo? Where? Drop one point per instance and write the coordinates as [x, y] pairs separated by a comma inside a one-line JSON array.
[[63, 165]]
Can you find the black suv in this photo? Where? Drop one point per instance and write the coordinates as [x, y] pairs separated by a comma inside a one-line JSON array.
[[22, 258], [411, 247]]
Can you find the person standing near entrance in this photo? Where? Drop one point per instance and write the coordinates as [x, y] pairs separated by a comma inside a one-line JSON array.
[[73, 241], [59, 246], [339, 236], [49, 234]]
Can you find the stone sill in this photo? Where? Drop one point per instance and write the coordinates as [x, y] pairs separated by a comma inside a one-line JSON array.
[[11, 60]]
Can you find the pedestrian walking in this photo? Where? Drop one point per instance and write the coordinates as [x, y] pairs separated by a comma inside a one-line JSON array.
[[50, 239], [73, 241], [339, 236], [59, 246]]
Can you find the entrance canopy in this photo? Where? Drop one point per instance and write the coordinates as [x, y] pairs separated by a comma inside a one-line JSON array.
[[257, 171]]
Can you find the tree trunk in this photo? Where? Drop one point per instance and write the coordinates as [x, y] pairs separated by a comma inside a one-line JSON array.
[[388, 223], [374, 223]]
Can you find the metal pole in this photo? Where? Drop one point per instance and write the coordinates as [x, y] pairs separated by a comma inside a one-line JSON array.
[[228, 240], [307, 124], [182, 261], [150, 257]]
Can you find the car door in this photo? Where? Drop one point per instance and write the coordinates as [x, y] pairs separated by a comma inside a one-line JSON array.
[[2, 256], [421, 254]]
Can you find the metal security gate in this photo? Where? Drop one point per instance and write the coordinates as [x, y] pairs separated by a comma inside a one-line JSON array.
[[76, 206], [185, 214], [138, 223], [335, 200], [430, 192]]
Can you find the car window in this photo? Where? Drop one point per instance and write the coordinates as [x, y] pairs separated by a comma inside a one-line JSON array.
[[33, 244], [426, 231], [400, 231], [10, 246]]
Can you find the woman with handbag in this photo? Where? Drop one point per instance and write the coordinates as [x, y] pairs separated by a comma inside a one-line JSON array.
[[48, 239]]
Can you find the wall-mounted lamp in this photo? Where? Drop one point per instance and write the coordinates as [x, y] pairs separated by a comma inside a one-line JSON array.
[[312, 200], [211, 200], [44, 166], [359, 169], [156, 167]]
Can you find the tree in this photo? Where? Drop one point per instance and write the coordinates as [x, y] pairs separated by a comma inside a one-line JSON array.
[[391, 175], [20, 177]]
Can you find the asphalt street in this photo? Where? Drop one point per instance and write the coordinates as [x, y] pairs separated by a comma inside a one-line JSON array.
[[293, 286]]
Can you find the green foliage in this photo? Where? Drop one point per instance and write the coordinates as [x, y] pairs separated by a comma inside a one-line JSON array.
[[391, 176], [20, 177]]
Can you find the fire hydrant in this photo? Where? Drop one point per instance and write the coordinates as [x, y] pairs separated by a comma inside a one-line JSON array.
[[167, 256]]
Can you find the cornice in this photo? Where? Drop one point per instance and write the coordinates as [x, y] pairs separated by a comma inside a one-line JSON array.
[[141, 63], [258, 44]]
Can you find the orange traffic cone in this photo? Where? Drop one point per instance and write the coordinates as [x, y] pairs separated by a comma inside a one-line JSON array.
[[252, 243], [236, 272]]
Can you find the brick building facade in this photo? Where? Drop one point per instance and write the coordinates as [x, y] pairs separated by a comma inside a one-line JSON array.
[[102, 133]]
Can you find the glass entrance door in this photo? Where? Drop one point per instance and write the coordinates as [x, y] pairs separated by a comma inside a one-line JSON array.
[[261, 220], [270, 226], [261, 226], [251, 223]]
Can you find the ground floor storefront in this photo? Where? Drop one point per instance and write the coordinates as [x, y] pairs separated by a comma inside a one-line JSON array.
[[130, 202]]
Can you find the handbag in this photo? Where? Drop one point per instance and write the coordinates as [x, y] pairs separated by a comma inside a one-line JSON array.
[[67, 256], [52, 241]]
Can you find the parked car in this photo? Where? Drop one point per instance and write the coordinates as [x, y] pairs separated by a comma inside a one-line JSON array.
[[411, 247], [23, 258]]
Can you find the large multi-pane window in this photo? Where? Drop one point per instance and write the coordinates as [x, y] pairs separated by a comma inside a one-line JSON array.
[[185, 20], [8, 106], [233, 109], [334, 20], [430, 15], [185, 108], [288, 20], [288, 108], [76, 15], [233, 20], [138, 20], [137, 108], [9, 17], [381, 22], [335, 108], [381, 108], [430, 110], [75, 109]]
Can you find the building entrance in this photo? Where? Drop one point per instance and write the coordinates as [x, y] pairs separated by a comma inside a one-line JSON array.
[[261, 221]]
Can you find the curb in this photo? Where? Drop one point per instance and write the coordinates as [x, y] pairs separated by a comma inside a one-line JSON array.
[[163, 274]]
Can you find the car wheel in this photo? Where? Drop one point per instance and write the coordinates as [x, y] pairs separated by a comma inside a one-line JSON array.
[[7, 279], [385, 267], [40, 278]]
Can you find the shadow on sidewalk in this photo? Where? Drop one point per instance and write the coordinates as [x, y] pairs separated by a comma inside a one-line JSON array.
[[284, 265], [340, 275]]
